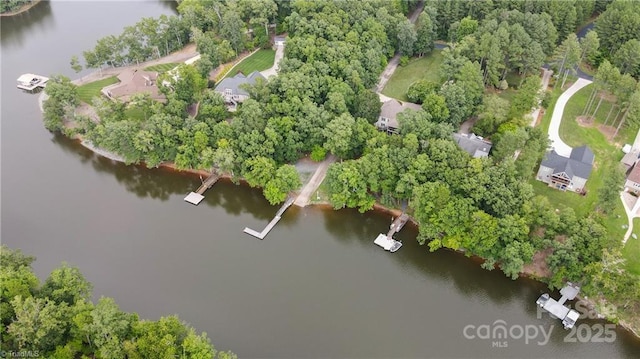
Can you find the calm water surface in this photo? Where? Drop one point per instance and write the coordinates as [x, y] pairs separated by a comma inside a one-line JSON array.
[[315, 287]]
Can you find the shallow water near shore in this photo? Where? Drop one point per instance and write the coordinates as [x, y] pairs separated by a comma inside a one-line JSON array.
[[316, 286]]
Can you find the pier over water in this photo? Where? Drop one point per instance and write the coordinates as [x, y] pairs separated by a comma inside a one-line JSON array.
[[274, 221]]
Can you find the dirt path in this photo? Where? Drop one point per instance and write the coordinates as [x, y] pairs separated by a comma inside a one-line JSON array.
[[546, 75], [315, 181], [395, 60]]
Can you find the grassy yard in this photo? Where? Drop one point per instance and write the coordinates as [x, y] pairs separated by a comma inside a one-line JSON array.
[[631, 250], [321, 195], [424, 68], [260, 61], [606, 152], [160, 68], [88, 91]]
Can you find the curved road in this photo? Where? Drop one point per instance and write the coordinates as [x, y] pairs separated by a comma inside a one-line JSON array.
[[554, 127]]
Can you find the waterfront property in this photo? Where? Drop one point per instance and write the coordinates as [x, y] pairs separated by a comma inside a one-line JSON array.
[[134, 81], [567, 173], [231, 88], [388, 120], [476, 146], [386, 241], [557, 309], [31, 82]]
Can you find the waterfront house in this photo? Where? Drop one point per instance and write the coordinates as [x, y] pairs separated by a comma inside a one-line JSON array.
[[388, 121], [476, 146], [231, 90], [133, 82], [567, 173]]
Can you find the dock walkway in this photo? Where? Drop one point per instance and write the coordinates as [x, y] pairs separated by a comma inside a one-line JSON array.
[[274, 221], [397, 225], [197, 196]]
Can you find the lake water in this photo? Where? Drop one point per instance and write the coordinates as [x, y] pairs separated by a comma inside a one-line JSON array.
[[317, 286]]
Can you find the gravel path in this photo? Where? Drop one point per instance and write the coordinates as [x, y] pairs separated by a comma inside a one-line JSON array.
[[395, 60]]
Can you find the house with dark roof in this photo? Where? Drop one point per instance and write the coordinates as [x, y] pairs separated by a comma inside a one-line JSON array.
[[632, 184], [476, 146], [388, 120], [231, 90], [567, 173]]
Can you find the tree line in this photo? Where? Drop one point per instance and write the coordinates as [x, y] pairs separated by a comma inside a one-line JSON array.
[[57, 319], [321, 102]]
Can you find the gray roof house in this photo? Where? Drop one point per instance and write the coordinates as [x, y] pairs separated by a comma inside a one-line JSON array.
[[476, 146], [231, 90], [632, 184], [567, 173], [388, 114]]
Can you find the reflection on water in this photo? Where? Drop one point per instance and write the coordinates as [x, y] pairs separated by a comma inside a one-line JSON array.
[[16, 29]]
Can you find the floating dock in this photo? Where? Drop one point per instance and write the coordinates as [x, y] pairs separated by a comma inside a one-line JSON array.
[[386, 241], [196, 197], [30, 82], [557, 309], [274, 221]]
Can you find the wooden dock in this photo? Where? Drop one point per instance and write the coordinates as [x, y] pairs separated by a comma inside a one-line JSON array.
[[387, 242], [197, 196], [397, 225], [274, 221], [30, 82]]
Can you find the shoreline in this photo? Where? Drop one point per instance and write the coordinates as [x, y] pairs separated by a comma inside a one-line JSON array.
[[324, 205], [22, 9]]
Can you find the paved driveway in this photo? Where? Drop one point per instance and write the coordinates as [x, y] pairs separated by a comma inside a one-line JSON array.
[[273, 71], [554, 127]]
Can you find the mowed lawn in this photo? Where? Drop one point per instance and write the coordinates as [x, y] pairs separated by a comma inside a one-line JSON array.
[[260, 61], [606, 153], [88, 91], [160, 68], [423, 68], [631, 250]]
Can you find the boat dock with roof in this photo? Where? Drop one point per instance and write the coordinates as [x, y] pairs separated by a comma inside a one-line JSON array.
[[196, 197], [386, 241], [274, 221], [557, 309], [30, 82]]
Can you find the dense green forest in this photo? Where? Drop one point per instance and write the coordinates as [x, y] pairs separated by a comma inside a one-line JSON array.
[[322, 101], [57, 319], [13, 5]]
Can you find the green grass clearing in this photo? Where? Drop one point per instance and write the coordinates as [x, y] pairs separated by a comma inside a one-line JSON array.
[[321, 195], [260, 61], [631, 251], [605, 152], [160, 68], [423, 68], [87, 92]]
